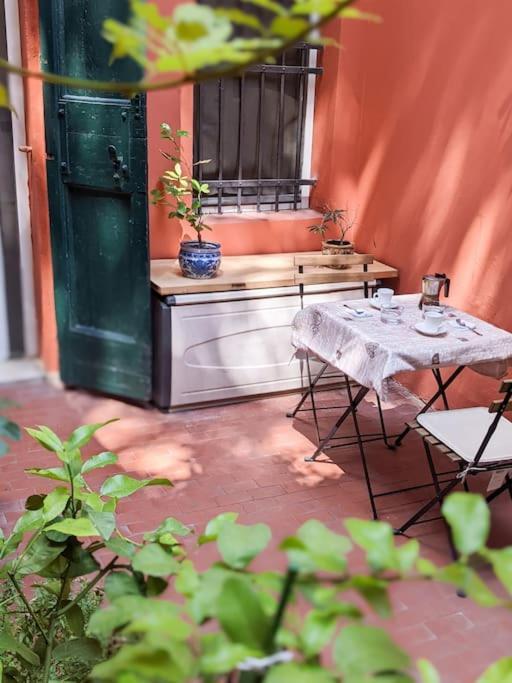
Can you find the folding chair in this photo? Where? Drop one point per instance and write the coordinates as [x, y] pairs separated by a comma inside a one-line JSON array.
[[318, 275], [478, 440]]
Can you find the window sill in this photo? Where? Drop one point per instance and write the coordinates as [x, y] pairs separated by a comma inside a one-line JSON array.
[[262, 216]]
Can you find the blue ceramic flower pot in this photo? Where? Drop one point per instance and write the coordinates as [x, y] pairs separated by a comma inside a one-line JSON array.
[[199, 260]]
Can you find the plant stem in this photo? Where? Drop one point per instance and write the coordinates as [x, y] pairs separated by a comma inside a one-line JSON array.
[[89, 586], [48, 653], [289, 580], [286, 592], [19, 591]]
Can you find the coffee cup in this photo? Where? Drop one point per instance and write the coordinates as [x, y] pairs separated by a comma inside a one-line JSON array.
[[433, 321], [384, 295]]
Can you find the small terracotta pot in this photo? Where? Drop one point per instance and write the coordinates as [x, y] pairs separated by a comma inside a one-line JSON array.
[[337, 248]]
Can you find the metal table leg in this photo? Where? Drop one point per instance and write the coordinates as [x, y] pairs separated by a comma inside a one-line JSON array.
[[349, 410], [440, 392]]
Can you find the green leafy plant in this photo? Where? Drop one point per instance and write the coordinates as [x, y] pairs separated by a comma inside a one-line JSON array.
[[177, 188], [54, 545], [233, 623], [338, 219], [8, 429], [228, 623]]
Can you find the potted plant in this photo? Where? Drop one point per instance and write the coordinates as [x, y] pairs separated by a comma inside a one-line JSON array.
[[342, 222], [179, 190]]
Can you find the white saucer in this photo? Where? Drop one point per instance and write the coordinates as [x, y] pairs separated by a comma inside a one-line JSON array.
[[375, 304], [420, 327]]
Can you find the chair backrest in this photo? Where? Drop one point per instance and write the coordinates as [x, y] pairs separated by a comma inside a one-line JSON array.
[[499, 407], [321, 273]]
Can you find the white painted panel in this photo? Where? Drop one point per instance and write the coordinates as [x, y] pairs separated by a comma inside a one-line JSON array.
[[231, 349], [16, 94]]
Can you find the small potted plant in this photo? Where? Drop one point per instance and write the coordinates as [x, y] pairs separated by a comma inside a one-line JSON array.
[[342, 222], [177, 189]]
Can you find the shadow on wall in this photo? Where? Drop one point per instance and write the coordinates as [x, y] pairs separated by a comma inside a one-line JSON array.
[[423, 147]]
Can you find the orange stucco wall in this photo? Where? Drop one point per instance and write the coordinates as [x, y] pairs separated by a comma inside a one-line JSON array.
[[413, 130], [422, 148], [34, 114]]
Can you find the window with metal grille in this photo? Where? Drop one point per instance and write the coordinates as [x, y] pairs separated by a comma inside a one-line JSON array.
[[256, 130]]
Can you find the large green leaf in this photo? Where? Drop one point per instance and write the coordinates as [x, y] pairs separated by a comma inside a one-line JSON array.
[[119, 584], [219, 655], [46, 438], [501, 561], [376, 538], [121, 546], [374, 591], [469, 519], [55, 473], [121, 485], [298, 673], [318, 629], [166, 532], [82, 435], [315, 547], [241, 614], [101, 460], [363, 651], [155, 660], [105, 621], [428, 672], [160, 617], [38, 556], [239, 544], [104, 522], [152, 559], [29, 521], [499, 672], [187, 581], [82, 526], [8, 643], [55, 503], [215, 525], [83, 649], [74, 618], [467, 580]]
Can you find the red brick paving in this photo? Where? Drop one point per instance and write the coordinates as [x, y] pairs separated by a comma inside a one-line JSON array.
[[250, 458]]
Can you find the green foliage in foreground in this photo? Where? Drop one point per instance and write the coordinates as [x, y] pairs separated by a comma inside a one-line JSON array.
[[9, 430], [228, 623]]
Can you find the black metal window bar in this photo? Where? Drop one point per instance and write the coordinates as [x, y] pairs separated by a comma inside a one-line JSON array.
[[252, 127]]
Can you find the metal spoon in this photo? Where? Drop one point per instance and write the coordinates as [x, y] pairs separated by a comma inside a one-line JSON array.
[[468, 326], [359, 311]]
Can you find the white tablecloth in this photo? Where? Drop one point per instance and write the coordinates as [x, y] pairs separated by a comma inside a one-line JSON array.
[[371, 351]]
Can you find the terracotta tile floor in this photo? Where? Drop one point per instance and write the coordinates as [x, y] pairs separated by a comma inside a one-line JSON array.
[[250, 458]]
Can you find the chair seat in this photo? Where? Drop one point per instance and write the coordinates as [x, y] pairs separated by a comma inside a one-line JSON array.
[[463, 431]]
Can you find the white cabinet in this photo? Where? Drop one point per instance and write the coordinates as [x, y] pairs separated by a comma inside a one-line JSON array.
[[229, 345]]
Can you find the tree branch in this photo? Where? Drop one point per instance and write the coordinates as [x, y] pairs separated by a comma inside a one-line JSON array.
[[131, 87]]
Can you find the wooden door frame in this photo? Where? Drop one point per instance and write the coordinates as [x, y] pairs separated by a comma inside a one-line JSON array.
[[21, 154]]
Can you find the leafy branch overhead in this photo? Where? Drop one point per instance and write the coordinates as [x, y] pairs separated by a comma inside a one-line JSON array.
[[196, 42]]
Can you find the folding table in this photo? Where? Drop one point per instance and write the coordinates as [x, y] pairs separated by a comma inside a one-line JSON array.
[[372, 352]]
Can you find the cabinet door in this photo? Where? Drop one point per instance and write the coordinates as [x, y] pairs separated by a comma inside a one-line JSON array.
[[234, 349]]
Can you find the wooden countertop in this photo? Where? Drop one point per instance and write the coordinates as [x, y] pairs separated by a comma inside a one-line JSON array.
[[253, 272]]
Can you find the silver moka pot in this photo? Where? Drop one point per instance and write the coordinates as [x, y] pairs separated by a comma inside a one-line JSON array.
[[431, 286]]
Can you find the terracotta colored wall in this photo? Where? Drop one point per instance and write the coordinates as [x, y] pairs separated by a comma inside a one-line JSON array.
[[34, 114], [422, 147], [249, 234]]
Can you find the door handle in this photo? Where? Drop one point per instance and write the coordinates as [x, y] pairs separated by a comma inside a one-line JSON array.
[[117, 163]]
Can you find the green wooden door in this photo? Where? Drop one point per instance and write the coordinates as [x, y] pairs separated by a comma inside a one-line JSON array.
[[97, 176]]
